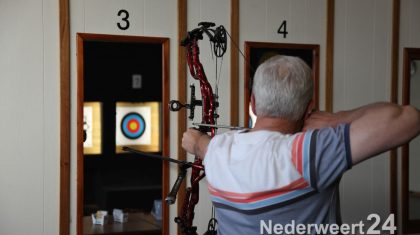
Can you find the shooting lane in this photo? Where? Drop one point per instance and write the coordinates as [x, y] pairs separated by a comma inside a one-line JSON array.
[[133, 88]]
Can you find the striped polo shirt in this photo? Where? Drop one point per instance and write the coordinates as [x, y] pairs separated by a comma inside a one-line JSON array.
[[267, 177]]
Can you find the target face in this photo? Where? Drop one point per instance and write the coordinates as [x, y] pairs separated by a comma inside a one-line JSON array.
[[137, 126], [92, 128], [133, 125]]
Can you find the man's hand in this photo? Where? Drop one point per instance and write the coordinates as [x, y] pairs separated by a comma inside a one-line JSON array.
[[320, 119], [190, 140], [195, 142]]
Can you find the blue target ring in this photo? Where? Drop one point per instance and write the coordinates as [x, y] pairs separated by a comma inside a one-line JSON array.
[[133, 125]]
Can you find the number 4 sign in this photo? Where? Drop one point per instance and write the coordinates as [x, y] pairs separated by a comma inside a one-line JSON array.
[[283, 29]]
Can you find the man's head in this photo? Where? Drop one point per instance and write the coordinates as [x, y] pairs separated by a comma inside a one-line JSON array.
[[282, 87]]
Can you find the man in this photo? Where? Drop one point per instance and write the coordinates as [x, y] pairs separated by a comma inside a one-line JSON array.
[[286, 170]]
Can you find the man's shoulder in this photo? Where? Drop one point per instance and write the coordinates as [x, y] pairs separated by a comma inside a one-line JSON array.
[[330, 133]]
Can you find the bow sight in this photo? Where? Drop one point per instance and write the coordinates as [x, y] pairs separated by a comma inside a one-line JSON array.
[[175, 105]]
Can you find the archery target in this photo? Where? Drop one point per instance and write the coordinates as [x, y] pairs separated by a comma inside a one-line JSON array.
[[92, 128], [87, 126], [133, 125]]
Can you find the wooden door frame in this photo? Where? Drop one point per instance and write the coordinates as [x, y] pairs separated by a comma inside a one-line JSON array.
[[83, 37], [65, 127]]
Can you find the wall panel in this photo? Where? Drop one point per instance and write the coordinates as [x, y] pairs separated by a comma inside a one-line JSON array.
[[362, 75], [409, 33], [51, 118], [251, 24], [137, 16], [275, 13], [159, 20], [101, 17], [29, 117], [21, 166]]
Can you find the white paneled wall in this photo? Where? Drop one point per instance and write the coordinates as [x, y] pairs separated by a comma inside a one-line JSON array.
[[29, 117], [362, 59], [29, 86]]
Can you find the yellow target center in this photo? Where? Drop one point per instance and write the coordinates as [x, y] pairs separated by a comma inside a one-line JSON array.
[[133, 126]]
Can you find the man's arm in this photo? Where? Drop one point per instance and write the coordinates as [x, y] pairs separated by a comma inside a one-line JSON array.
[[374, 128], [382, 128], [195, 142]]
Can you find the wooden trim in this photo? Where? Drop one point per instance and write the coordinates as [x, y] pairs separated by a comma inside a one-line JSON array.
[[64, 220], [247, 88], [79, 135], [329, 57], [404, 187], [405, 152], [395, 49], [394, 99], [182, 95], [393, 189], [121, 38], [166, 133], [408, 226], [234, 63], [81, 38]]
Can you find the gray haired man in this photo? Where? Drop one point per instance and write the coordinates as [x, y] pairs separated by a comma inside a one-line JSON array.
[[286, 170]]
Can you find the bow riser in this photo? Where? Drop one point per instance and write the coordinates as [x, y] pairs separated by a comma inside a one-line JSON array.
[[207, 96], [209, 104]]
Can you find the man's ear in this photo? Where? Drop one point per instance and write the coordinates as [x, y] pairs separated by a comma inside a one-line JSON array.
[[309, 109], [253, 104]]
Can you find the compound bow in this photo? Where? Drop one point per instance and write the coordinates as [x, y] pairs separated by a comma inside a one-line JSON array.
[[209, 104]]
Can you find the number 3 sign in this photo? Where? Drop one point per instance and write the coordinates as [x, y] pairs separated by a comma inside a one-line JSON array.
[[125, 24]]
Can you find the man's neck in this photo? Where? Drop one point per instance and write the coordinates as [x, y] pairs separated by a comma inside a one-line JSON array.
[[277, 124]]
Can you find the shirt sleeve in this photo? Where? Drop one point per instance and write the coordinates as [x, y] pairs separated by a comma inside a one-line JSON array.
[[331, 155]]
